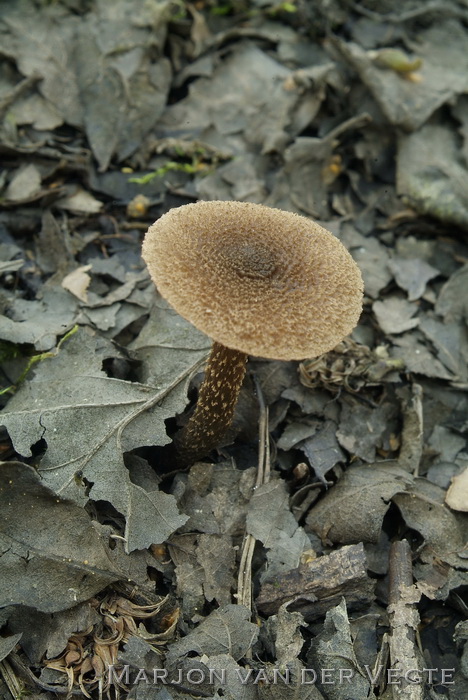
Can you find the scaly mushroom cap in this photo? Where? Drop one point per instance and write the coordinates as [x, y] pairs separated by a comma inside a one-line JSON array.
[[264, 281]]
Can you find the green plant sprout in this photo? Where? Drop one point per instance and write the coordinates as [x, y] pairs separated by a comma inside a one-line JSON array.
[[221, 10], [172, 165], [202, 161], [243, 8], [281, 7]]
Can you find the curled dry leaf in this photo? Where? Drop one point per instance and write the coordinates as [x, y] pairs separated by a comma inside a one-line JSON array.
[[86, 659], [53, 557], [349, 365]]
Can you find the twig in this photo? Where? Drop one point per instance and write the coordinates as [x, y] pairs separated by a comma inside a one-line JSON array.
[[263, 472], [15, 686], [404, 620], [244, 579], [412, 434]]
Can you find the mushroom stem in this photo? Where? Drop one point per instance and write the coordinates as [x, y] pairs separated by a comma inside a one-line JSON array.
[[217, 398]]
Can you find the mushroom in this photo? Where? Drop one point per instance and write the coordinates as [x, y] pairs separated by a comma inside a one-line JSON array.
[[258, 281]]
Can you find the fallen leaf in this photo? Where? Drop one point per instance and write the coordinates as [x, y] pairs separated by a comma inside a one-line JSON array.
[[47, 634], [333, 648], [424, 510], [25, 184], [217, 557], [216, 497], [412, 275], [80, 202], [270, 520], [446, 443], [295, 433], [40, 322], [166, 343], [451, 341], [457, 494], [408, 104], [353, 510], [7, 644], [284, 630], [371, 256], [363, 429], [417, 356], [395, 315], [151, 518], [77, 282], [452, 301], [87, 421], [52, 557], [322, 450], [227, 630], [431, 178]]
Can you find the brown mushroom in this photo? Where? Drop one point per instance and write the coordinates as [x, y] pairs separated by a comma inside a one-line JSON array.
[[258, 281]]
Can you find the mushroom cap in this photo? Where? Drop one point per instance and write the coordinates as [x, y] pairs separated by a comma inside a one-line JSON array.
[[260, 280]]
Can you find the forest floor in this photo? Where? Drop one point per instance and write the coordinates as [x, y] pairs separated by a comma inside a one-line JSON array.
[[322, 552]]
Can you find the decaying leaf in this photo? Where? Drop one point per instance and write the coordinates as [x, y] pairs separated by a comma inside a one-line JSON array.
[[284, 634], [53, 557], [405, 103], [432, 178], [270, 521], [424, 510], [204, 570], [216, 497], [227, 630], [7, 644], [417, 356], [451, 303], [353, 510], [372, 258], [87, 420], [112, 114], [40, 322], [80, 202], [25, 184], [363, 433], [412, 275], [45, 635], [113, 70], [333, 649], [395, 315], [322, 449]]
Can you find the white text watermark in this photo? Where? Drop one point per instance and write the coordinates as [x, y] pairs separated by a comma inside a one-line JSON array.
[[274, 676]]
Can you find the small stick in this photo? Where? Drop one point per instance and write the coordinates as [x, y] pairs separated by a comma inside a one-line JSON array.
[[404, 620], [244, 578]]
